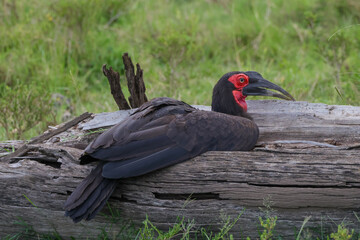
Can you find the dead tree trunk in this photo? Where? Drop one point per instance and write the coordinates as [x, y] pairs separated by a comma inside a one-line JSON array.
[[135, 83], [307, 163]]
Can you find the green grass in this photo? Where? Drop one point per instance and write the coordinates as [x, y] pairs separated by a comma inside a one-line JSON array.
[[311, 48], [185, 230]]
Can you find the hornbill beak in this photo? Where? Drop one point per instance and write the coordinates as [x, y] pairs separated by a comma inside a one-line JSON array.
[[259, 86]]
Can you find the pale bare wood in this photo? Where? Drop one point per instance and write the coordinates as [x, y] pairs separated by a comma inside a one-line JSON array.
[[284, 120], [45, 136], [63, 127]]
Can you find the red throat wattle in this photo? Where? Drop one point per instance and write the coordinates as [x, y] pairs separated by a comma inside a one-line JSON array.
[[240, 99], [239, 81]]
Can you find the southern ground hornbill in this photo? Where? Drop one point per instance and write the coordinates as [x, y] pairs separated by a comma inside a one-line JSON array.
[[163, 132]]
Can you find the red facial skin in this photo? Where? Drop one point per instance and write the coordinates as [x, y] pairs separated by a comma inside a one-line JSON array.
[[240, 81]]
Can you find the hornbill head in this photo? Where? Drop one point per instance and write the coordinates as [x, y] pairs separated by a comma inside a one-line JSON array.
[[231, 90]]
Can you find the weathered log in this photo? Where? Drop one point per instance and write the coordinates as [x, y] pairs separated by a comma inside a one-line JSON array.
[[301, 177], [284, 120], [48, 134]]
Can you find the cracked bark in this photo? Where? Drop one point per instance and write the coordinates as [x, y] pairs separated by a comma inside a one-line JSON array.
[[115, 87], [135, 82], [301, 178]]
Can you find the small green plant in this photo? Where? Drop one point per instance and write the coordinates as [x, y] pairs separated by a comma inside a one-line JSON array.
[[342, 233], [180, 230], [302, 227], [8, 149], [269, 225], [267, 209], [223, 233]]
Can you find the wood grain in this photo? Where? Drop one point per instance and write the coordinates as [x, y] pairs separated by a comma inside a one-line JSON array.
[[135, 82], [115, 87], [283, 120], [300, 179]]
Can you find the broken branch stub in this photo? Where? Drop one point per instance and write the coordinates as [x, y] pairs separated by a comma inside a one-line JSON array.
[[136, 84], [141, 85], [115, 87]]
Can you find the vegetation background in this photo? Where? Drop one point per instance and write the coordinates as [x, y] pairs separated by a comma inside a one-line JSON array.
[[51, 52]]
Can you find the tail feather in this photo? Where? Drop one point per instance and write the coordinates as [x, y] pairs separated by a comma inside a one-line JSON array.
[[90, 196], [106, 193], [85, 188]]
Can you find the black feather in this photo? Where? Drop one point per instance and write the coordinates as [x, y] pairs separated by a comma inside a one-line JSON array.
[[140, 166], [94, 202], [85, 188]]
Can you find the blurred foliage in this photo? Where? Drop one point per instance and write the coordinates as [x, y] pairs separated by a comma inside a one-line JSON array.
[[309, 47], [23, 107]]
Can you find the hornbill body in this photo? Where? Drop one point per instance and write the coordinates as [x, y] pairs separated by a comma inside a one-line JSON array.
[[163, 132]]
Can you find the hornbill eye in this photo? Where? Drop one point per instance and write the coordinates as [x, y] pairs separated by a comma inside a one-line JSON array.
[[239, 80]]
